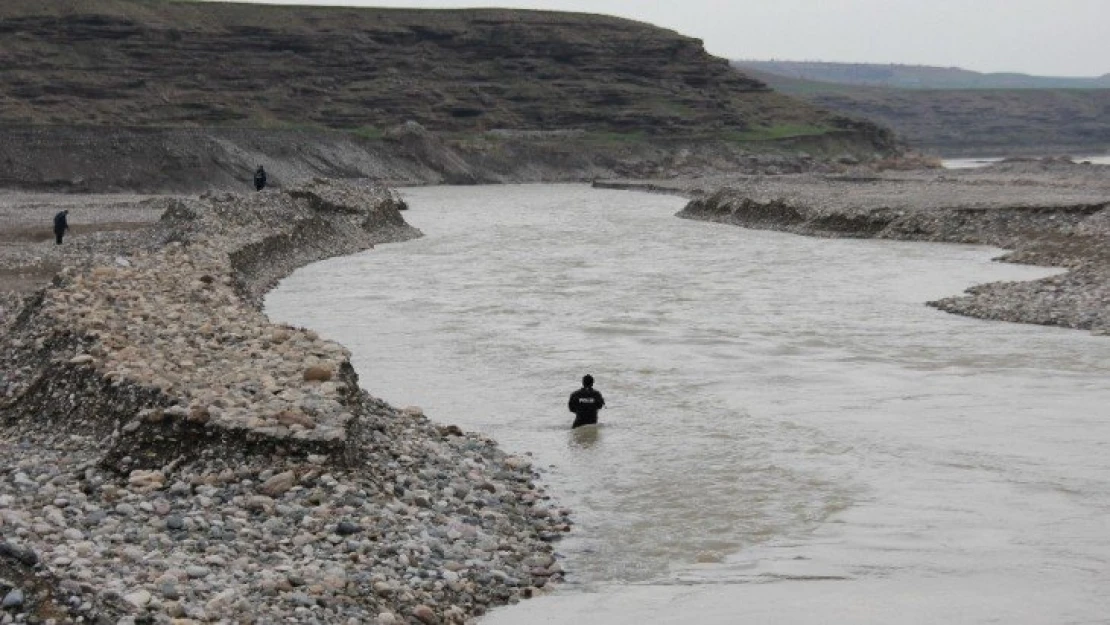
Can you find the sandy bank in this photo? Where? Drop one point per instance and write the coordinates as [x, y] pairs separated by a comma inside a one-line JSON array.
[[171, 454], [1050, 213]]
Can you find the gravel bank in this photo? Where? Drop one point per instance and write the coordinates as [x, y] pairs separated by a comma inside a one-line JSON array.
[[172, 456], [1050, 212]]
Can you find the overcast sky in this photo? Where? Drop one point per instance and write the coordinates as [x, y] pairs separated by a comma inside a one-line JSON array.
[[1045, 37]]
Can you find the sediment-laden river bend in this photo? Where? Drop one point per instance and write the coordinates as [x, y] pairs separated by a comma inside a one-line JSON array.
[[790, 436]]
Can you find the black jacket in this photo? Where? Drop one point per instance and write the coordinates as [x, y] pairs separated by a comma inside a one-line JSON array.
[[60, 225], [585, 402]]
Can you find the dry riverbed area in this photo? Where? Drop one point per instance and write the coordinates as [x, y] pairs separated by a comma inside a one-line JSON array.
[[100, 226]]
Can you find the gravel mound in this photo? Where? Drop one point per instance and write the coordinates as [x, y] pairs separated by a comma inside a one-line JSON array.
[[172, 456]]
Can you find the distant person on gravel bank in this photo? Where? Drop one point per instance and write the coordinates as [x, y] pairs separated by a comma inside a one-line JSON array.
[[585, 402], [60, 226], [259, 179]]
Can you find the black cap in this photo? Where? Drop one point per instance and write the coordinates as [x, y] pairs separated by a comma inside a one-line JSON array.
[[588, 381]]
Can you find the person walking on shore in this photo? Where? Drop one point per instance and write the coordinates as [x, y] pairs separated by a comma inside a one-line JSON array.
[[60, 226], [259, 179], [585, 402]]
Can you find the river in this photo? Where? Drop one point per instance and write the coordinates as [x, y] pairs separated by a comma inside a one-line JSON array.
[[791, 436]]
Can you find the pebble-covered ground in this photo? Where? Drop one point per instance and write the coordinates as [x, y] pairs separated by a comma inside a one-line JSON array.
[[1051, 212], [171, 456]]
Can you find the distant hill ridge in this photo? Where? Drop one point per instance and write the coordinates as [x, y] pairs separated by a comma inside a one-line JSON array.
[[917, 76], [972, 122]]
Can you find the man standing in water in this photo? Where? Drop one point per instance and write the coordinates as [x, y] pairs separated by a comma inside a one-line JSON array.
[[60, 226], [585, 402]]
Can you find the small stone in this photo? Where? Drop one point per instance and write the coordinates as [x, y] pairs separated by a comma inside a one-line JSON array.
[[199, 414], [13, 599], [95, 517], [317, 374], [175, 611], [516, 462], [291, 417], [197, 572], [346, 528], [279, 484], [145, 480], [175, 523], [259, 503], [139, 598], [425, 614], [221, 601], [181, 489], [301, 599]]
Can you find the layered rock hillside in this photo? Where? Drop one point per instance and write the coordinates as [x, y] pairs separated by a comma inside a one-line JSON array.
[[359, 74]]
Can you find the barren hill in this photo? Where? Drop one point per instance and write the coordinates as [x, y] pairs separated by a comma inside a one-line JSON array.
[[177, 95], [134, 62]]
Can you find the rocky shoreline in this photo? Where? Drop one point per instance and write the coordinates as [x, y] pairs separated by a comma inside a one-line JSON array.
[[172, 456], [1047, 212]]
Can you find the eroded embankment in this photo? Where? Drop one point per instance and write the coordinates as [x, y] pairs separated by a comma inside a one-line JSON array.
[[1044, 222], [171, 454], [192, 160]]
